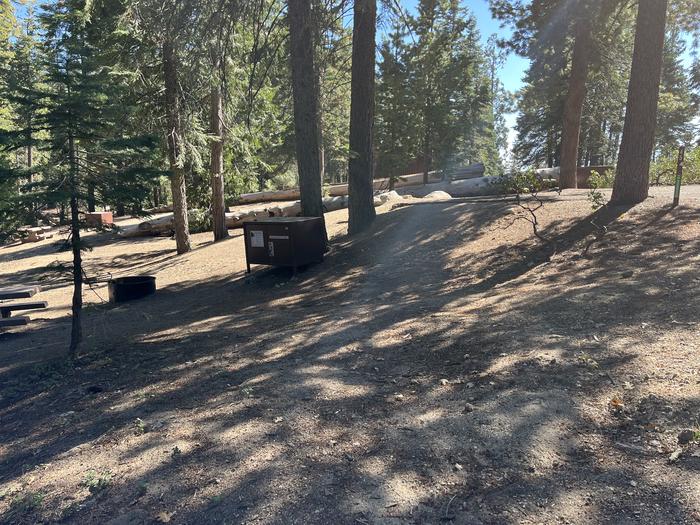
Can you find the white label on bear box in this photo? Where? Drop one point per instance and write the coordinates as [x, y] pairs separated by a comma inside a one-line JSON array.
[[256, 239]]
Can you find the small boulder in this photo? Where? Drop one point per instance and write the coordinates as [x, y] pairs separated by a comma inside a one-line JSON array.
[[438, 195]]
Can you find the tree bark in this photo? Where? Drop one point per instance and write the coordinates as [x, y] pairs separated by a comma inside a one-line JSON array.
[[360, 165], [91, 196], [76, 335], [426, 154], [174, 137], [218, 204], [573, 108], [306, 108], [632, 179]]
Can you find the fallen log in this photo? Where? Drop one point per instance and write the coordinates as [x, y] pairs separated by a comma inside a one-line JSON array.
[[459, 188], [164, 225], [268, 196], [156, 227], [337, 190]]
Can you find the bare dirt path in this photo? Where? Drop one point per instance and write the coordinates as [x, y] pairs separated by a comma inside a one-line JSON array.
[[443, 368]]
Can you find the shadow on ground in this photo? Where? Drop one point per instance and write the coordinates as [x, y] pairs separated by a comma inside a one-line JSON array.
[[405, 380]]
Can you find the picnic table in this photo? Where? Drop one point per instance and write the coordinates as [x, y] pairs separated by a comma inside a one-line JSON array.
[[7, 294], [6, 309]]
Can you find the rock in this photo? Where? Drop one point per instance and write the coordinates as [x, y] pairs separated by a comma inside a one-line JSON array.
[[469, 408], [389, 196], [438, 195], [444, 382], [686, 436], [627, 274], [399, 397]]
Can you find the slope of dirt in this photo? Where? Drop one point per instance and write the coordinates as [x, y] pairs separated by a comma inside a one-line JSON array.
[[445, 367]]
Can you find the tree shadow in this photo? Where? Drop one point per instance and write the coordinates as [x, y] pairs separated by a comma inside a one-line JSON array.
[[400, 381]]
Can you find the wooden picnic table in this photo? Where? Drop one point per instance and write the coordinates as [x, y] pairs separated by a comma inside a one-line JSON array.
[[7, 294], [6, 308]]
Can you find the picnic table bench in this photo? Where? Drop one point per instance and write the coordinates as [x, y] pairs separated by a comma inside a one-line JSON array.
[[6, 309], [35, 233]]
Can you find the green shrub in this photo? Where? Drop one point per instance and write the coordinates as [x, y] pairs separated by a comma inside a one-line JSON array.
[[663, 169], [200, 221], [599, 180], [96, 482]]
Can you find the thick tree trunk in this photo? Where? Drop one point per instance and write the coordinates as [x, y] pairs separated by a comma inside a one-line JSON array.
[[632, 178], [360, 166], [218, 204], [76, 335], [174, 136], [573, 108], [306, 108]]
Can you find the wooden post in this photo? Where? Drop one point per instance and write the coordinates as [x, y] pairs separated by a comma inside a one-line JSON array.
[[679, 176]]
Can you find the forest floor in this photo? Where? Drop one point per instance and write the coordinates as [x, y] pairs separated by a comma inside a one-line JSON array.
[[446, 367]]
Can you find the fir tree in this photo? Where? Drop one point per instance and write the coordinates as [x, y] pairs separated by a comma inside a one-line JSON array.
[[77, 122]]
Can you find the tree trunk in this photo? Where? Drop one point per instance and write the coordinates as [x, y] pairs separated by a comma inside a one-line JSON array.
[[174, 136], [30, 179], [306, 108], [218, 204], [360, 166], [426, 154], [632, 178], [91, 196], [30, 161], [573, 108], [76, 335]]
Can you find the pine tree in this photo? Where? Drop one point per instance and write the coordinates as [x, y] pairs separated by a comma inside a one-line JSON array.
[[361, 164], [7, 29], [396, 132], [77, 115], [305, 89], [23, 83], [435, 95], [632, 178], [674, 124], [576, 94]]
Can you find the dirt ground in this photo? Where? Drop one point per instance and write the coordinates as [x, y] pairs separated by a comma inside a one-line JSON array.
[[446, 367]]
